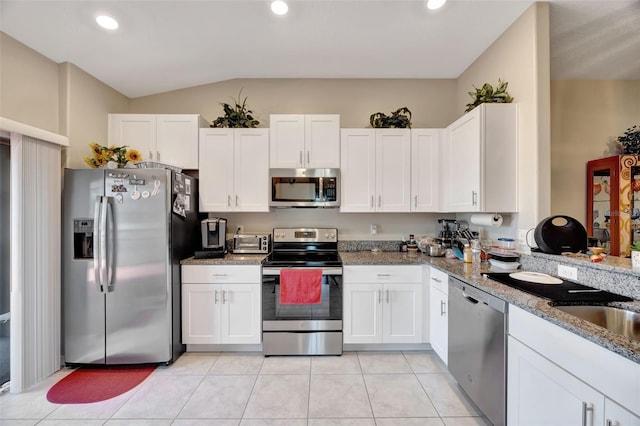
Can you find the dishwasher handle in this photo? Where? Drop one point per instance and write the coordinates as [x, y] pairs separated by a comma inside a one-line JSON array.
[[475, 295]]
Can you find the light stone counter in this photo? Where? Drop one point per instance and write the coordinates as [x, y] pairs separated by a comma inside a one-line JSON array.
[[228, 259], [613, 274], [620, 268]]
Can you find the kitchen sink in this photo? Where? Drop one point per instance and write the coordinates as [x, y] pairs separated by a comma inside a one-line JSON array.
[[616, 320]]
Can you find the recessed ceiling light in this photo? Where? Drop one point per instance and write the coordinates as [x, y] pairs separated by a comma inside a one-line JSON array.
[[107, 22], [435, 4], [279, 7]]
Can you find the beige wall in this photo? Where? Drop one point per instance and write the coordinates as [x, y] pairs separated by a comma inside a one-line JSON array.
[[587, 116], [521, 57], [432, 102], [60, 98], [87, 101], [28, 85]]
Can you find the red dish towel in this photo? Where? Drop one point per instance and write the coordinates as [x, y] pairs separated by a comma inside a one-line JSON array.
[[300, 286]]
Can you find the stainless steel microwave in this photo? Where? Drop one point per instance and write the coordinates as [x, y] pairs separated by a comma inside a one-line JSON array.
[[304, 188]]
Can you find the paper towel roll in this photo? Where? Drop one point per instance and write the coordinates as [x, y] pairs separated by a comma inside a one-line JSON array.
[[494, 220]]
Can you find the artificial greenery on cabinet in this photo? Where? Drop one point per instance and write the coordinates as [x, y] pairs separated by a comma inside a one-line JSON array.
[[487, 94], [237, 115], [399, 119]]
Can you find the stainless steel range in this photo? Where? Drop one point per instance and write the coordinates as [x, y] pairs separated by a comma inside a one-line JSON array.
[[302, 260]]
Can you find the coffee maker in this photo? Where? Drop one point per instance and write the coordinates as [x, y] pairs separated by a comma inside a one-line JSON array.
[[448, 231], [214, 238]]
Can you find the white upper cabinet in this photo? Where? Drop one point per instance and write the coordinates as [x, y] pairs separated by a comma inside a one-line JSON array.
[[166, 138], [425, 169], [304, 141], [375, 170], [234, 170], [481, 160]]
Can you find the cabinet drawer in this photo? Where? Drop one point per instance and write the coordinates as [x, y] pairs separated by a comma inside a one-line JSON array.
[[208, 274], [439, 279], [382, 274]]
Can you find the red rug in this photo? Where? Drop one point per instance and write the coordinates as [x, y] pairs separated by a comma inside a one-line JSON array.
[[90, 384]]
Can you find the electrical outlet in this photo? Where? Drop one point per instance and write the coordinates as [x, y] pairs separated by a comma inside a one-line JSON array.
[[568, 272], [374, 229]]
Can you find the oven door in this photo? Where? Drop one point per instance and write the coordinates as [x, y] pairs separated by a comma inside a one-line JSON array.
[[302, 329]]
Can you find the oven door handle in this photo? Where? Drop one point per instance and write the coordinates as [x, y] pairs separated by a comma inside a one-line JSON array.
[[269, 271]]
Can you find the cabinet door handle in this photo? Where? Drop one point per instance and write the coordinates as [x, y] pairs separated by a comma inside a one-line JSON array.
[[308, 157], [610, 423], [150, 155], [388, 296], [300, 157], [379, 296], [474, 198], [443, 308], [585, 408], [379, 200], [236, 200], [415, 201], [438, 280], [224, 296], [158, 155], [218, 275], [228, 200], [215, 297], [372, 201], [383, 275]]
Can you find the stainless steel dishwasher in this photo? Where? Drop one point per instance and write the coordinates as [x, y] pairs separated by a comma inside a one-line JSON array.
[[477, 347]]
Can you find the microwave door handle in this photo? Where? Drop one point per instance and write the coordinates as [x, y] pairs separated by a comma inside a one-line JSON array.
[[96, 242]]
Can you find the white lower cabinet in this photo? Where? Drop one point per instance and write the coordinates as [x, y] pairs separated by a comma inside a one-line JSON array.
[[221, 304], [382, 304], [541, 393], [558, 378], [439, 312]]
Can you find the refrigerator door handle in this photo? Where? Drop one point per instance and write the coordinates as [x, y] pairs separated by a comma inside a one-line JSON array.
[[103, 245], [97, 246], [110, 243]]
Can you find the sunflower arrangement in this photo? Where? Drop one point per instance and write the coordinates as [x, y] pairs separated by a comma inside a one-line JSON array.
[[118, 154]]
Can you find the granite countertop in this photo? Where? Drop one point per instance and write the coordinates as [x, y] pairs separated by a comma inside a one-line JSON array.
[[228, 259], [538, 306]]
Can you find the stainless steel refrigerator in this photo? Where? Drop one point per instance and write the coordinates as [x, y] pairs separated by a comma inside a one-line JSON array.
[[124, 233]]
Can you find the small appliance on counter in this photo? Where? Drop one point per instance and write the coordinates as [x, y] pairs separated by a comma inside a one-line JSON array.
[[448, 231], [214, 234], [252, 243]]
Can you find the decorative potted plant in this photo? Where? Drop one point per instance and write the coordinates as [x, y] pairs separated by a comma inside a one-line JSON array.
[[238, 115], [630, 141], [487, 94], [400, 119], [117, 156]]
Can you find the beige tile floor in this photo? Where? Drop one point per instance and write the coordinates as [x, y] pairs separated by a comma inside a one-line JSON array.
[[224, 389]]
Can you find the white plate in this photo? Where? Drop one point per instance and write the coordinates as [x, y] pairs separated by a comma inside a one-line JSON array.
[[535, 277]]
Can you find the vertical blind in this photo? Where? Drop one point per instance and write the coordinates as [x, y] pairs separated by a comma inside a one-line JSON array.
[[35, 260]]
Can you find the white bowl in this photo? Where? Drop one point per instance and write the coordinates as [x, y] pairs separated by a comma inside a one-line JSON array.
[[507, 266]]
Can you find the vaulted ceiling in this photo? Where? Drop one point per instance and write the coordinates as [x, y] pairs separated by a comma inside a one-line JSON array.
[[168, 45]]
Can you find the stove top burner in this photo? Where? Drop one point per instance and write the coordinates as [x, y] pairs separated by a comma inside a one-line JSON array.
[[565, 292], [303, 258], [304, 247]]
